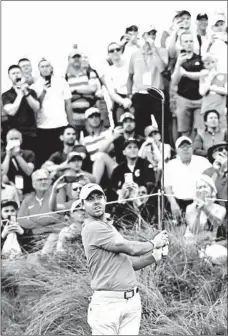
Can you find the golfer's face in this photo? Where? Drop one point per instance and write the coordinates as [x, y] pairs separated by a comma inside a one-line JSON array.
[[95, 204]]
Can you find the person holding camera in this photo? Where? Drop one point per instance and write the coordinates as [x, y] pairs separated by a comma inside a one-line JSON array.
[[18, 164], [20, 104], [186, 76], [55, 113]]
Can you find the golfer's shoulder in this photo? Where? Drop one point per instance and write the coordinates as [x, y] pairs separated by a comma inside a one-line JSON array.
[[92, 225]]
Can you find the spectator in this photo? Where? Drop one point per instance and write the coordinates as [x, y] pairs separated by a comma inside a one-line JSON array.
[[20, 105], [96, 146], [151, 149], [211, 135], [8, 191], [84, 85], [181, 23], [117, 73], [203, 216], [71, 234], [10, 230], [218, 42], [138, 213], [181, 175], [217, 155], [141, 170], [213, 87], [55, 113], [202, 33], [186, 76], [37, 203], [26, 68], [18, 164], [129, 42], [115, 142], [145, 68], [70, 144]]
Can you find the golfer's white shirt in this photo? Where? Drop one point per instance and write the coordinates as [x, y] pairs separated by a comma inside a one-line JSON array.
[[182, 178]]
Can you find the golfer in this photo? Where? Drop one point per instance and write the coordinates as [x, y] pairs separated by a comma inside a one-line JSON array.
[[115, 308]]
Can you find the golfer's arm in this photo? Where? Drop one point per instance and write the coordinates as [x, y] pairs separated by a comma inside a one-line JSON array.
[[143, 261], [132, 248]]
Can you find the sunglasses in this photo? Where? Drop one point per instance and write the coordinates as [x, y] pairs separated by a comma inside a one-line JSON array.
[[220, 149], [113, 50]]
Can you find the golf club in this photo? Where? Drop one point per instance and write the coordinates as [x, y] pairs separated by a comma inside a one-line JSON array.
[[159, 95]]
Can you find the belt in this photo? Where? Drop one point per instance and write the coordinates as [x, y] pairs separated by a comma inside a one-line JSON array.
[[117, 294]]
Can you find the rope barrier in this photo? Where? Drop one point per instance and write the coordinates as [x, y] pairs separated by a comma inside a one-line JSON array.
[[108, 203]]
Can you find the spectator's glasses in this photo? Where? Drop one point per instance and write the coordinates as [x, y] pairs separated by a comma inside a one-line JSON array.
[[220, 149], [77, 189], [111, 51], [152, 32], [97, 115]]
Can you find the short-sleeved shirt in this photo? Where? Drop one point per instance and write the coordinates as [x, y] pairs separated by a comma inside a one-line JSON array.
[[24, 119], [108, 270], [92, 143], [53, 113], [182, 178], [187, 87], [142, 64], [60, 157], [212, 100], [15, 169], [143, 172]]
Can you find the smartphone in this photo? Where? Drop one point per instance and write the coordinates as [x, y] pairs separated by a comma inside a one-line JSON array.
[[48, 79], [128, 177], [183, 51], [70, 179]]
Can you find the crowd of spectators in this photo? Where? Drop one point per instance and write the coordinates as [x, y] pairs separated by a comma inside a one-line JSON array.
[[57, 134]]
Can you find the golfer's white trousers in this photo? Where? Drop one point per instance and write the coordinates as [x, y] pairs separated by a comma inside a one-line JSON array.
[[110, 315]]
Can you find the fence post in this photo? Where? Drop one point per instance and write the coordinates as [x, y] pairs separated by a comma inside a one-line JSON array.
[[159, 210]]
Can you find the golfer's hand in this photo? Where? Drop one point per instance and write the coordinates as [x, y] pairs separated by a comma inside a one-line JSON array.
[[161, 239], [157, 254]]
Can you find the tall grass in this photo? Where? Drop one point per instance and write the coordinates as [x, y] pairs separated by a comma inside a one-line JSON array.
[[183, 296]]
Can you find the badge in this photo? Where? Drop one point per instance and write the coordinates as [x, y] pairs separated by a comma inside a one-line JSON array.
[[137, 173], [19, 182]]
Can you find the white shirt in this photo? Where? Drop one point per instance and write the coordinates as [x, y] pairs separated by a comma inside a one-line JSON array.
[[52, 113], [219, 49], [118, 77], [182, 178]]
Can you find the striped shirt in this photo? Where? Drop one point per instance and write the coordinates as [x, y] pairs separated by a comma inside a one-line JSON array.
[[93, 142]]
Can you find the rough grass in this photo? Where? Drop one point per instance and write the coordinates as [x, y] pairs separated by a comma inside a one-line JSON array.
[[184, 296]]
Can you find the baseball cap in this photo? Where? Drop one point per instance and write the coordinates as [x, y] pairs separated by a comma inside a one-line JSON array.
[[76, 205], [72, 155], [7, 202], [202, 16], [216, 18], [181, 13], [149, 129], [75, 52], [131, 28], [127, 115], [148, 28], [91, 111], [88, 189], [131, 140], [182, 139]]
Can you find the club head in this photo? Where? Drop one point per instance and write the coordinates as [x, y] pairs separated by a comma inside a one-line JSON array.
[[156, 93]]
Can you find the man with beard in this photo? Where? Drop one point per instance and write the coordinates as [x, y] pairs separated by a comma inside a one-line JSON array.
[[115, 142], [68, 138], [115, 308]]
